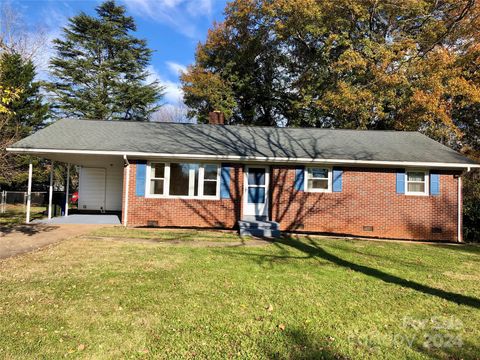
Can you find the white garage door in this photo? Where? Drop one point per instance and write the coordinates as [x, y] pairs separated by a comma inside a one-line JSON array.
[[91, 192]]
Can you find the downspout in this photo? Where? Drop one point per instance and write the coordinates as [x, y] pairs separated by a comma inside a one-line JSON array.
[[459, 206], [127, 190]]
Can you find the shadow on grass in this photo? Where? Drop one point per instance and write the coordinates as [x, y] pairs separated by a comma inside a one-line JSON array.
[[14, 222], [26, 229], [313, 250], [301, 345]]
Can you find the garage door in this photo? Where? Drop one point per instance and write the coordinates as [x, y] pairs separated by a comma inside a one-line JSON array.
[[91, 193]]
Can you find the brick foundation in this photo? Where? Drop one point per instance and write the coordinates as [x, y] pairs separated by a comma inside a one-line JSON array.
[[368, 201]]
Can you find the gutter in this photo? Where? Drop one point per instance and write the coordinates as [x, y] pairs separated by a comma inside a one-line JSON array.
[[253, 159]]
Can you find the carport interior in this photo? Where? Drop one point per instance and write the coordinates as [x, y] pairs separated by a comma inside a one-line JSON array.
[[100, 189]]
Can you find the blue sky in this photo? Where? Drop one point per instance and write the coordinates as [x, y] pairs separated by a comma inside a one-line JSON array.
[[172, 29]]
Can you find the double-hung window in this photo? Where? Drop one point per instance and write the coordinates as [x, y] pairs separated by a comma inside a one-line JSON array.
[[210, 180], [157, 179], [183, 180], [319, 179], [416, 182]]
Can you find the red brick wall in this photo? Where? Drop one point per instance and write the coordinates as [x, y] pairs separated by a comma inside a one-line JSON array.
[[187, 212], [368, 198]]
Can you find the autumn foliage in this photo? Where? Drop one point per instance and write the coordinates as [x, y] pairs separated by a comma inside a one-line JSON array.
[[406, 65]]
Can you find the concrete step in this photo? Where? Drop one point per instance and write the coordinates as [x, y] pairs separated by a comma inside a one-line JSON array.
[[259, 228], [257, 224]]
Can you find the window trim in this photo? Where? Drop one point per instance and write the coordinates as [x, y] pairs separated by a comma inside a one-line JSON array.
[[148, 179], [166, 182], [426, 178], [330, 179], [201, 182]]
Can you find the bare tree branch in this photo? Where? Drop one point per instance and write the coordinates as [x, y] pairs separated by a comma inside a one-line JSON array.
[[171, 113], [16, 38]]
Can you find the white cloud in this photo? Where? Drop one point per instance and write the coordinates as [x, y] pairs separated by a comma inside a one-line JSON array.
[[173, 90], [32, 38], [176, 68], [178, 14], [199, 7]]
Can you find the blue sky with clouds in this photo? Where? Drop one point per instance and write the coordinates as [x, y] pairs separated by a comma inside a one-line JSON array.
[[172, 28]]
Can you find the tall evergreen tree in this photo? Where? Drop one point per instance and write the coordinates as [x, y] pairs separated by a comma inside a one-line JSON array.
[[29, 111], [100, 68], [23, 114]]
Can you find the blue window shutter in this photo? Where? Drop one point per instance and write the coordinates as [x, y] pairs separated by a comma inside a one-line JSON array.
[[434, 184], [401, 182], [337, 180], [299, 178], [141, 178], [225, 182]]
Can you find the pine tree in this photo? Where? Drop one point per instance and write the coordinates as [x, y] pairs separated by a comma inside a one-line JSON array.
[[23, 113], [28, 110], [100, 68]]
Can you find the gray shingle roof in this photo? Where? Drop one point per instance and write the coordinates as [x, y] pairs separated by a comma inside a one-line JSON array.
[[173, 138]]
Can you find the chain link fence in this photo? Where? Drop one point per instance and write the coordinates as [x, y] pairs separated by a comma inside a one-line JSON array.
[[16, 201]]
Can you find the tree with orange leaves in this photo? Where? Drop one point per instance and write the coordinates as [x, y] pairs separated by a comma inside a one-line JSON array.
[[368, 64]]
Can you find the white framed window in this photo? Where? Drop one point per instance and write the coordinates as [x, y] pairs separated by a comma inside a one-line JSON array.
[[156, 183], [416, 182], [318, 179], [183, 180], [209, 184]]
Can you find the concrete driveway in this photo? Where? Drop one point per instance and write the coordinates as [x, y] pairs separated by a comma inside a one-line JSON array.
[[25, 238]]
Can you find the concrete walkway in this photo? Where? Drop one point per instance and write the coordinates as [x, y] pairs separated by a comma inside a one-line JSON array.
[[25, 238], [100, 219]]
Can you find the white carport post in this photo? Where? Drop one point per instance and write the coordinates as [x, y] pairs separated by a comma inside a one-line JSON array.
[[50, 191], [66, 189], [29, 191]]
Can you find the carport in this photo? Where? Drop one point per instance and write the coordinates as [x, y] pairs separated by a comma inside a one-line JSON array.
[[100, 186]]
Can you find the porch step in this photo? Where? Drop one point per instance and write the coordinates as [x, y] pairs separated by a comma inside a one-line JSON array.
[[259, 228]]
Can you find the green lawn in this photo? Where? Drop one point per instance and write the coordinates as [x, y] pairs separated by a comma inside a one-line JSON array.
[[15, 214], [296, 298], [171, 234]]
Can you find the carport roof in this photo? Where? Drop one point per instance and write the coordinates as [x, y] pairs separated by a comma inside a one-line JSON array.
[[235, 142]]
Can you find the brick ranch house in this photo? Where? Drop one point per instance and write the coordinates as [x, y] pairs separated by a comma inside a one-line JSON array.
[[387, 184]]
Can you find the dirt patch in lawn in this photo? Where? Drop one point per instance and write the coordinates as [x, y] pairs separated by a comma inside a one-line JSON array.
[[461, 276], [20, 239], [183, 242]]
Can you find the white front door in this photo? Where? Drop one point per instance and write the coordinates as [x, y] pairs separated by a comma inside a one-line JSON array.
[[255, 197]]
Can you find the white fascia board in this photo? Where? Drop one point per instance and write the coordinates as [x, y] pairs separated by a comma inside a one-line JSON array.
[[253, 159]]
